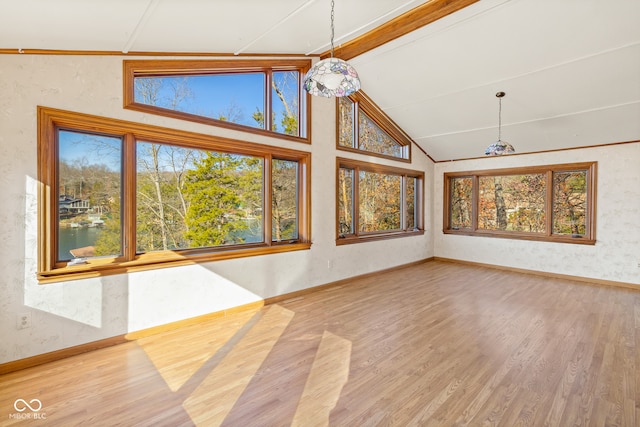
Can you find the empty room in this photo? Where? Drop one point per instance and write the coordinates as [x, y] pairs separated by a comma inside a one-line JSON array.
[[320, 213]]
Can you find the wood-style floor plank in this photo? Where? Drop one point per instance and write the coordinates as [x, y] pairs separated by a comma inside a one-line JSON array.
[[435, 344]]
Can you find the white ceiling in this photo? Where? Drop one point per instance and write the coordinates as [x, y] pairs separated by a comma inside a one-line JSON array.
[[570, 68]]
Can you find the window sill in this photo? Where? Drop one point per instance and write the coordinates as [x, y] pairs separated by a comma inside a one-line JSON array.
[[583, 240], [347, 240], [151, 261]]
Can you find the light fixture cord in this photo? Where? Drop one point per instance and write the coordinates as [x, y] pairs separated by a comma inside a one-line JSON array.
[[499, 119], [332, 28]]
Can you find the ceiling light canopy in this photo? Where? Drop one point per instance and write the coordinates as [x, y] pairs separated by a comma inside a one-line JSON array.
[[331, 76], [499, 147]]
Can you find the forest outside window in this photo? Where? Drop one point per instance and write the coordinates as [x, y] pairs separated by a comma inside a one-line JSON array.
[[553, 203], [377, 202], [237, 94], [363, 127], [124, 196]]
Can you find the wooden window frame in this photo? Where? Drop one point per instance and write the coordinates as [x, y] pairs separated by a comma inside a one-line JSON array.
[[361, 102], [50, 120], [167, 68], [359, 237], [589, 237]]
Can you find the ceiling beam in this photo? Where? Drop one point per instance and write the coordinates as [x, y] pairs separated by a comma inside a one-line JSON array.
[[399, 26]]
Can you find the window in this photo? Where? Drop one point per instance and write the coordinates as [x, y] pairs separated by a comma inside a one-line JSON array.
[[235, 94], [376, 201], [363, 127], [552, 203], [120, 196]]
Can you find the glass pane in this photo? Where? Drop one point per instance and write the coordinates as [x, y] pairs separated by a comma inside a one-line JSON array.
[[512, 203], [188, 198], [286, 109], [237, 98], [379, 201], [284, 202], [345, 122], [89, 185], [411, 203], [570, 203], [461, 202], [373, 139], [345, 201]]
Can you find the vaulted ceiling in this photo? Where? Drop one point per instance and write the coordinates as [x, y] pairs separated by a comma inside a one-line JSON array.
[[570, 68]]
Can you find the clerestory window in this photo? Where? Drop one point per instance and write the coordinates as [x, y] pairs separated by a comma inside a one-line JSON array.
[[363, 127], [239, 94]]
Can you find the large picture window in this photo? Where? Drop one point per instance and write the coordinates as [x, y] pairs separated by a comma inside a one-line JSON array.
[[363, 127], [119, 196], [238, 94], [555, 203], [376, 201]]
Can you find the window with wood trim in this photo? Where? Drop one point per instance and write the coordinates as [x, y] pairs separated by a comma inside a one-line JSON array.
[[363, 127], [119, 196], [552, 203], [377, 202], [237, 94]]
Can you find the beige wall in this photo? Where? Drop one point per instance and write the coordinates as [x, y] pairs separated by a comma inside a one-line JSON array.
[[76, 312], [616, 254], [71, 313]]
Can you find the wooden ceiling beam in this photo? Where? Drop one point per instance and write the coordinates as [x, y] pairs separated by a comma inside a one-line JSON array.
[[401, 25]]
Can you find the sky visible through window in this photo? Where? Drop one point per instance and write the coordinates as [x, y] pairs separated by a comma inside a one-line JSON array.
[[234, 97]]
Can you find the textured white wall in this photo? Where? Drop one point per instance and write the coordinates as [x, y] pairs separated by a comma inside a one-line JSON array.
[[76, 312], [616, 254]]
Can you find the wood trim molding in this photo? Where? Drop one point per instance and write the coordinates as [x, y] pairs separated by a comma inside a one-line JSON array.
[[401, 25], [51, 271], [52, 356], [589, 280], [40, 359], [18, 51], [528, 153]]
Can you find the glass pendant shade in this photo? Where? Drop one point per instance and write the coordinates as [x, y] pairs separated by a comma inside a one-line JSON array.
[[499, 147], [331, 77]]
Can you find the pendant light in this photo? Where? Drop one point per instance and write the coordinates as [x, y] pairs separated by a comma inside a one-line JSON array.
[[331, 76], [499, 147]]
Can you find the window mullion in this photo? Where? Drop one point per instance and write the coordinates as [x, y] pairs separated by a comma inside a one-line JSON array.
[[356, 200], [404, 213], [475, 204], [549, 203], [267, 220], [356, 125], [128, 197], [268, 101]]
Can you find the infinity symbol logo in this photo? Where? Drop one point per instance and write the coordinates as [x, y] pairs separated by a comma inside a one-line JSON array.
[[21, 405]]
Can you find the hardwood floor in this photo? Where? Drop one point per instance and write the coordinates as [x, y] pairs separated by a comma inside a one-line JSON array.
[[435, 344]]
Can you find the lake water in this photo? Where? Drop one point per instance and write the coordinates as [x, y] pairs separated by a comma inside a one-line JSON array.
[[72, 238]]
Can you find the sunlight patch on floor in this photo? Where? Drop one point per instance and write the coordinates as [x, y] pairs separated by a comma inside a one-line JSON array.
[[214, 398], [329, 373], [185, 359]]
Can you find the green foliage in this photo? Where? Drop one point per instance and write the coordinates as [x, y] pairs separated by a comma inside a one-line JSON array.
[[109, 240], [214, 216]]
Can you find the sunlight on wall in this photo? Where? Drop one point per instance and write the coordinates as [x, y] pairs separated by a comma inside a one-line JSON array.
[[80, 301], [162, 296]]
